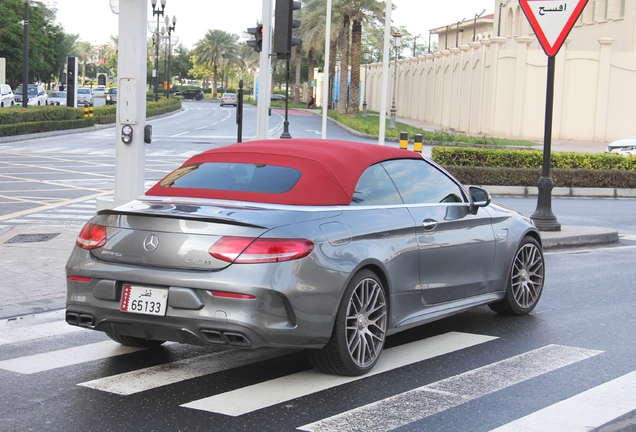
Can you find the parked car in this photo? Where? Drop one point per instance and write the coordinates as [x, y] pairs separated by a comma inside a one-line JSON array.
[[324, 245], [111, 96], [229, 99], [99, 91], [193, 94], [36, 92], [7, 97], [625, 146], [278, 97], [57, 98], [85, 97]]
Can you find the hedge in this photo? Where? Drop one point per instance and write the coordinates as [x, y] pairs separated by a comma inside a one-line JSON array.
[[573, 178], [48, 126], [480, 157]]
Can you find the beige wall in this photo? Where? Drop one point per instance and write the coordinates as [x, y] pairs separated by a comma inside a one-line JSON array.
[[486, 88]]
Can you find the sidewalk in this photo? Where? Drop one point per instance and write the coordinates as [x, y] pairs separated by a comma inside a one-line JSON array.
[[33, 278]]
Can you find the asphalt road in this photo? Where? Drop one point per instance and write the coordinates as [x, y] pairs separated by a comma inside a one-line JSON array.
[[569, 366]]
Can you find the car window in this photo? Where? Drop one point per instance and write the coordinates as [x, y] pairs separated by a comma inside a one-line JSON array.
[[375, 188], [420, 182], [234, 177]]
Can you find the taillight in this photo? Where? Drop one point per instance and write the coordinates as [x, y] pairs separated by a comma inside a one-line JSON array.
[[245, 250], [82, 279], [91, 237]]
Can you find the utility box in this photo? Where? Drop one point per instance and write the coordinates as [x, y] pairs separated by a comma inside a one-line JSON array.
[[127, 101]]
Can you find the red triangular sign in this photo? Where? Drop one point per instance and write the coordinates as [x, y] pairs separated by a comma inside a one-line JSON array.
[[552, 20]]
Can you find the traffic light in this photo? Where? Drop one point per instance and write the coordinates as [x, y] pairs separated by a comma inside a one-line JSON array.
[[284, 24], [257, 43]]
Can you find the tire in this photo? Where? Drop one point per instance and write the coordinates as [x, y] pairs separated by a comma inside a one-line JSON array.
[[525, 283], [134, 341], [359, 331]]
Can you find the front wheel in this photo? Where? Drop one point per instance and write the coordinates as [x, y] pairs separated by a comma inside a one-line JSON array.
[[525, 283], [134, 341], [359, 330]]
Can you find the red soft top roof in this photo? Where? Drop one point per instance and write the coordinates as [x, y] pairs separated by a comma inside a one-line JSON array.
[[330, 169]]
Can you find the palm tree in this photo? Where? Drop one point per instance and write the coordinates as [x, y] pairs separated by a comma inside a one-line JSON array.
[[313, 36], [68, 44], [216, 46], [362, 12], [84, 51]]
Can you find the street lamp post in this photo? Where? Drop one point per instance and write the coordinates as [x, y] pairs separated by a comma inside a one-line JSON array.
[[157, 39], [397, 42], [169, 30], [25, 65], [367, 56], [457, 33], [475, 24]]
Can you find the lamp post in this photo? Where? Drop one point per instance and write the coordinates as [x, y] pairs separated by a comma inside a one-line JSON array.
[[166, 67], [397, 42], [475, 24], [25, 65], [157, 39], [336, 90], [367, 56], [457, 33], [174, 40]]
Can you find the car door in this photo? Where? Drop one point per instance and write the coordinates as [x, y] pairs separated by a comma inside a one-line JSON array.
[[456, 247]]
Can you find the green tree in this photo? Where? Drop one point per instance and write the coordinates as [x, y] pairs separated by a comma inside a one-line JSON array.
[[85, 53], [45, 41], [181, 62], [216, 46]]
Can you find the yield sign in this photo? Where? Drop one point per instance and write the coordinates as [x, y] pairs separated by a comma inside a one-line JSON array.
[[552, 20]]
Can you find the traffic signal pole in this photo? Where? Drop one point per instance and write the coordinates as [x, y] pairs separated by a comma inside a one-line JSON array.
[[264, 82]]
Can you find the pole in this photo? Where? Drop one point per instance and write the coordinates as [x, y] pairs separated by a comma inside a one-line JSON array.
[[239, 113], [385, 70], [25, 66], [364, 104], [262, 118], [326, 81], [393, 107], [543, 217], [286, 134], [156, 71]]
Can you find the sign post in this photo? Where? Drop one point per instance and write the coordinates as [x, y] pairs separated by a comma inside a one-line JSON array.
[[552, 22]]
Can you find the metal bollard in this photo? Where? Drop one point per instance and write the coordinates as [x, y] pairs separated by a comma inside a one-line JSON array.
[[85, 111], [404, 140], [417, 143], [90, 112]]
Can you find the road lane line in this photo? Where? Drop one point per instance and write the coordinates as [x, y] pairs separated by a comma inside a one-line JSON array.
[[52, 206], [37, 331], [583, 412], [422, 402], [158, 376], [66, 357], [255, 397]]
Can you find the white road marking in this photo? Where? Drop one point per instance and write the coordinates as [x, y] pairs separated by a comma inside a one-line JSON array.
[[422, 402], [583, 412], [66, 357], [157, 376], [290, 387], [38, 331]]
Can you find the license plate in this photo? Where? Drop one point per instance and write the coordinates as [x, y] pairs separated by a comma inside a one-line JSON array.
[[144, 300]]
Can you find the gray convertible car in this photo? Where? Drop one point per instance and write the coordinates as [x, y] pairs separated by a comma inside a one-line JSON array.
[[325, 245]]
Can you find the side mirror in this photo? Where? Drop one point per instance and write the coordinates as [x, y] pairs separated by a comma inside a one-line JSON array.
[[478, 198]]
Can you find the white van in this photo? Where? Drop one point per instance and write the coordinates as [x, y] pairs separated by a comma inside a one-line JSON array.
[[6, 96]]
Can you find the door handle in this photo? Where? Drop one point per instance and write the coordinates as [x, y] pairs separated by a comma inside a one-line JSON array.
[[429, 224]]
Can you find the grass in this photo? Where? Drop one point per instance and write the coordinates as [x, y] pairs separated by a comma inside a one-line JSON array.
[[370, 125]]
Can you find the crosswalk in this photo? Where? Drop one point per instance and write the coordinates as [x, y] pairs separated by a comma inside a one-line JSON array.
[[94, 151], [584, 411]]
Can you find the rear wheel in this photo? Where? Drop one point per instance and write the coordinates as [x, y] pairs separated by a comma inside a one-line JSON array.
[[134, 341], [525, 283], [359, 331]]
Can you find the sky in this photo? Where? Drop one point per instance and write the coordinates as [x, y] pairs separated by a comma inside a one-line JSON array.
[[195, 17]]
